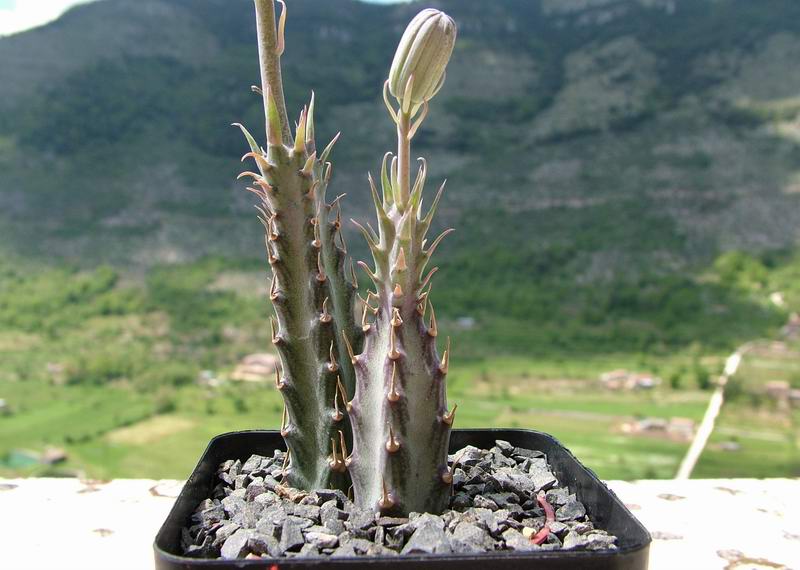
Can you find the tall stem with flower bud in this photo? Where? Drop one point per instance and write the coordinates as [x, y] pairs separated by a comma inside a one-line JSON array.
[[400, 420], [312, 298]]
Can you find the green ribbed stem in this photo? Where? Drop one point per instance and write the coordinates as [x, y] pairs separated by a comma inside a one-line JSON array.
[[312, 298], [401, 425]]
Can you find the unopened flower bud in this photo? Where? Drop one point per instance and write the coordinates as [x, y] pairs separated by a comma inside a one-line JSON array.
[[424, 51]]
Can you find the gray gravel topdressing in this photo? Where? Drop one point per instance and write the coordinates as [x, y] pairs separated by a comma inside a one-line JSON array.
[[494, 507]]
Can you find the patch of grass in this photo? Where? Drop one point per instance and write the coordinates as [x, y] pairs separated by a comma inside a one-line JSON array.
[[768, 445], [595, 443], [71, 415], [151, 430], [106, 369]]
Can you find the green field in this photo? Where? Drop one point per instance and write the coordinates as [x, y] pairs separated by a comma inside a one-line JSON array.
[[105, 367], [116, 432]]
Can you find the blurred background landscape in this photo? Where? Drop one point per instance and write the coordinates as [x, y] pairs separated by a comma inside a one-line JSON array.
[[624, 177]]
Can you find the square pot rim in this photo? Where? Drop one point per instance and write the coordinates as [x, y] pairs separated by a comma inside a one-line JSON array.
[[543, 555]]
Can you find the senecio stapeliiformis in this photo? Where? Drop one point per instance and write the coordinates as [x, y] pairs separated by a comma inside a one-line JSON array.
[[365, 375]]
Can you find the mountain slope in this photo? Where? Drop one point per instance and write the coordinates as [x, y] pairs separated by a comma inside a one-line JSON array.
[[606, 137]]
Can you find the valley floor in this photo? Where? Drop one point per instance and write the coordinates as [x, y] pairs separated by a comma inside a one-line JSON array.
[[112, 431], [105, 376]]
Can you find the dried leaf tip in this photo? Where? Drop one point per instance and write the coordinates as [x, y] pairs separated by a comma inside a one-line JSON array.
[[249, 173], [285, 421], [394, 354], [333, 366], [393, 395], [311, 195], [450, 416], [427, 278], [365, 326], [308, 168], [373, 295], [349, 347], [337, 221], [317, 242], [392, 444], [368, 271], [397, 320], [259, 158], [265, 186], [422, 303], [337, 413], [445, 365], [285, 466], [337, 461], [342, 393], [433, 329], [449, 474], [274, 235], [325, 316], [386, 502], [400, 262], [276, 338], [274, 294], [321, 277], [353, 277], [273, 259], [343, 447]]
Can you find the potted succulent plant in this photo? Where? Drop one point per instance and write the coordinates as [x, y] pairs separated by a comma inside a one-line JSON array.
[[366, 424]]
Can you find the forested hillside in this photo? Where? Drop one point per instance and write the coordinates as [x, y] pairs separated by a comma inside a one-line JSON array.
[[601, 154]]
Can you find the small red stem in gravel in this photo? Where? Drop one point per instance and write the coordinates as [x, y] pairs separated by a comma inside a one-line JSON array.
[[550, 517]]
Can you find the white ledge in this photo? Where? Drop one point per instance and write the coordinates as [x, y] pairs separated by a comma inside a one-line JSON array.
[[704, 524]]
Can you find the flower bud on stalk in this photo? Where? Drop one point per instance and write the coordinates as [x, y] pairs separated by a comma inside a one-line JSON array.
[[423, 53], [399, 413]]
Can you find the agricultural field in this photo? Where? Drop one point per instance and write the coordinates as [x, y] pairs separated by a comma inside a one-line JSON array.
[[117, 432], [109, 369], [756, 428]]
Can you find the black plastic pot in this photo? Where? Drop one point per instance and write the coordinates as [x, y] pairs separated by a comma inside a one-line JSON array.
[[603, 507]]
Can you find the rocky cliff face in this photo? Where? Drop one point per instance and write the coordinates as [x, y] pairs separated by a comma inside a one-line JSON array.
[[634, 135]]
